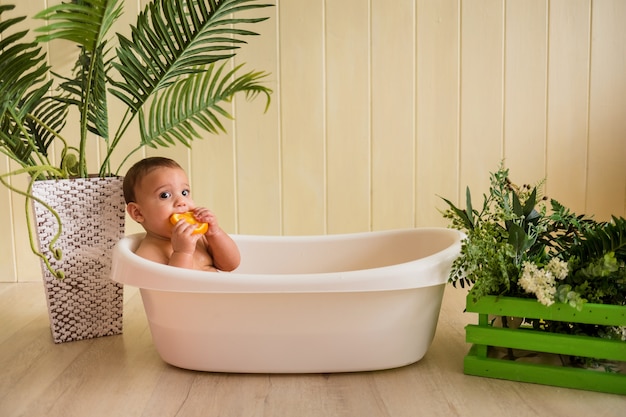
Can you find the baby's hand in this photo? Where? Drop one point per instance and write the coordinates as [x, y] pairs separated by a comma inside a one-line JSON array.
[[204, 215], [183, 237]]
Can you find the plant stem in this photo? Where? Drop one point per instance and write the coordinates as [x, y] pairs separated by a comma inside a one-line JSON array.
[[35, 172], [129, 116]]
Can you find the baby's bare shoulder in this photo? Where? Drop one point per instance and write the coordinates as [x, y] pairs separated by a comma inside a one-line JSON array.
[[154, 250]]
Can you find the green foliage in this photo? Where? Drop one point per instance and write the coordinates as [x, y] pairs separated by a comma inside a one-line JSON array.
[[500, 237], [601, 238], [514, 231], [172, 42], [22, 66], [166, 125]]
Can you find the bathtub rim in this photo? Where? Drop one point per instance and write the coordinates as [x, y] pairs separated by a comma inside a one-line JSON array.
[[431, 270]]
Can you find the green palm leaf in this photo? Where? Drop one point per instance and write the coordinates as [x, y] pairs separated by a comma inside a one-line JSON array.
[[84, 22], [198, 97], [602, 238], [23, 83], [17, 56], [48, 116], [172, 39], [87, 91]]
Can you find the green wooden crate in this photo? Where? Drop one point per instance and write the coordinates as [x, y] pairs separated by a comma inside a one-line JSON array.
[[484, 335]]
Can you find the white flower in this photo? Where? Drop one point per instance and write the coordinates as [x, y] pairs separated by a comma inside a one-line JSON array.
[[558, 268], [539, 282]]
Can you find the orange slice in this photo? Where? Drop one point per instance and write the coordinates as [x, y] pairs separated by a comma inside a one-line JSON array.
[[201, 228]]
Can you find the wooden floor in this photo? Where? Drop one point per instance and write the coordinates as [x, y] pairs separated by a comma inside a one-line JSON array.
[[124, 376]]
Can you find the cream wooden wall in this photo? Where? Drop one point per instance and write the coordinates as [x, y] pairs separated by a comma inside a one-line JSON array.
[[380, 106]]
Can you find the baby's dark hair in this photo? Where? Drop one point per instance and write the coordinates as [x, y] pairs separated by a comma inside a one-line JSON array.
[[140, 170]]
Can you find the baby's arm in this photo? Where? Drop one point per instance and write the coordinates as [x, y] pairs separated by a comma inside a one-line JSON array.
[[183, 245], [224, 250], [156, 250]]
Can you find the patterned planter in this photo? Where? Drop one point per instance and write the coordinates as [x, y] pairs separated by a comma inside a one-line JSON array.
[[86, 303], [486, 338]]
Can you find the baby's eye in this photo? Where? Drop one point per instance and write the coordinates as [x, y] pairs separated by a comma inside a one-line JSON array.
[[186, 193], [164, 195]]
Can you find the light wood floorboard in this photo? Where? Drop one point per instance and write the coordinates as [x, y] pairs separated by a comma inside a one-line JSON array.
[[124, 376]]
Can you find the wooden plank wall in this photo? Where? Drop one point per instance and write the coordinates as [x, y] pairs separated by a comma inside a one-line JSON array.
[[380, 107]]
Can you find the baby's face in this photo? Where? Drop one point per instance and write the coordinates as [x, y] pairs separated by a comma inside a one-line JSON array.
[[161, 193]]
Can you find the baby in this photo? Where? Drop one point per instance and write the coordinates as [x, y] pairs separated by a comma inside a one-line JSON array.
[[154, 189]]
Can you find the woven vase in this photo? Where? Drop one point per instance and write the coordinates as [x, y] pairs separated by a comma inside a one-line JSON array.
[[86, 303]]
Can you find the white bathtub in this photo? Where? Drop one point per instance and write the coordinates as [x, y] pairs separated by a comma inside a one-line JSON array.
[[329, 303]]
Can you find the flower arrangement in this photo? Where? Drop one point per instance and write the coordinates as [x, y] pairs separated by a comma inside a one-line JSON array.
[[522, 244]]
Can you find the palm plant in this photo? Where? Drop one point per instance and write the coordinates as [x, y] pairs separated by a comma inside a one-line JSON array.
[[172, 76]]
